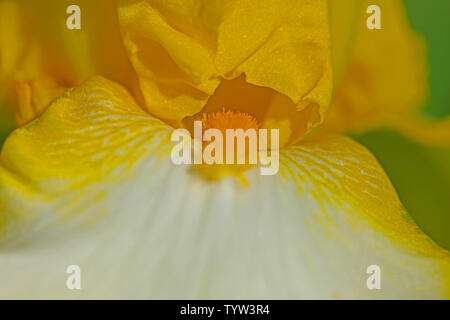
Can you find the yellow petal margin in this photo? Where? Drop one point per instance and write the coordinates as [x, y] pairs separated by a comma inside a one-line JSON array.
[[387, 74], [183, 50]]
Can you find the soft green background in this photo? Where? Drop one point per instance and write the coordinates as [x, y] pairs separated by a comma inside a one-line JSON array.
[[420, 174], [432, 19]]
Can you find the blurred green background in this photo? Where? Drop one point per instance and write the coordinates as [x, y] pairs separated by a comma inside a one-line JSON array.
[[420, 174], [432, 20]]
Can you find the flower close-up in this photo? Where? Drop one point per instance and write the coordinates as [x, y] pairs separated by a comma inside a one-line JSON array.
[[90, 99]]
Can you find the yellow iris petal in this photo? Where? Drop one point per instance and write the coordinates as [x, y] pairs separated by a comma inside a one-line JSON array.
[[26, 67], [344, 19], [13, 55], [386, 77], [283, 47], [34, 96], [184, 52], [431, 132], [38, 50], [176, 73]]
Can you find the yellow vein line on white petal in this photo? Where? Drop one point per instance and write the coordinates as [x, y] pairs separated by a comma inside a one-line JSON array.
[[354, 193], [91, 137]]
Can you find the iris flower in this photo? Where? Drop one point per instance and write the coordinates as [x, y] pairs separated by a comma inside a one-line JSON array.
[[87, 177]]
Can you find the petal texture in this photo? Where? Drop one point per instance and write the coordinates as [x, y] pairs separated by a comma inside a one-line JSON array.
[[90, 183], [183, 51], [92, 132]]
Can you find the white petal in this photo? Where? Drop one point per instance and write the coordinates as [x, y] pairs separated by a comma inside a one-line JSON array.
[[156, 230]]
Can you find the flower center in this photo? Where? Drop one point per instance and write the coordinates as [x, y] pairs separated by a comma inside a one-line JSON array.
[[229, 120], [222, 121]]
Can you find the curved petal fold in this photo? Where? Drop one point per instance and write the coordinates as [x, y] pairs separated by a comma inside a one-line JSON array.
[[182, 51]]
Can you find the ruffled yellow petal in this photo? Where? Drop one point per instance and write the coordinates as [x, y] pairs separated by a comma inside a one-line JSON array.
[[187, 52], [284, 47], [386, 77], [176, 73], [91, 183]]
